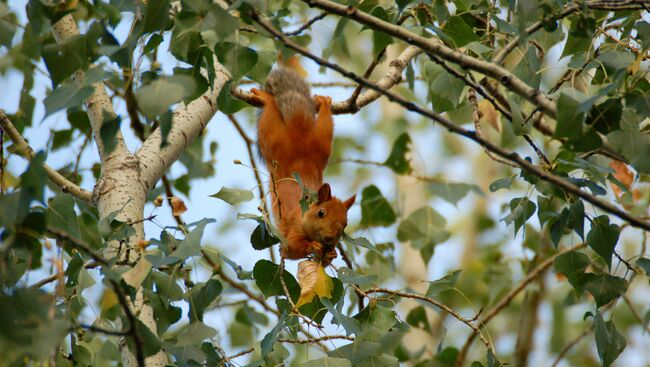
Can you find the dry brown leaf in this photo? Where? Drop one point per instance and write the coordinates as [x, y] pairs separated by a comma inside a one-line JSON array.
[[178, 206], [313, 282], [623, 174], [489, 114]]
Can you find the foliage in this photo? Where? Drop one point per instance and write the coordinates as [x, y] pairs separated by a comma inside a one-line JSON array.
[[505, 228]]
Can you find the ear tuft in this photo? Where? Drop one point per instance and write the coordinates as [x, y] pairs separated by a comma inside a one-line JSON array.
[[348, 203], [324, 193]]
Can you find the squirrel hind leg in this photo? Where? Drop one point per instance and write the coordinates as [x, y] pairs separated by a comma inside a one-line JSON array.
[[260, 96]]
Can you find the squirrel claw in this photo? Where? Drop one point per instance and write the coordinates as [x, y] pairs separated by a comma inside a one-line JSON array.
[[259, 95], [323, 101]]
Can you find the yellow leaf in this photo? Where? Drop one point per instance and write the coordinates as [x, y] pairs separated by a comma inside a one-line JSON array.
[[109, 299], [178, 206], [489, 114], [313, 282], [136, 275], [158, 201]]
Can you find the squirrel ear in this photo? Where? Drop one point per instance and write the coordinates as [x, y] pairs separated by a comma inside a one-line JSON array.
[[324, 193], [348, 203]]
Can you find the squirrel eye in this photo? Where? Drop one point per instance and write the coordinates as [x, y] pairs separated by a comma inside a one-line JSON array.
[[321, 213]]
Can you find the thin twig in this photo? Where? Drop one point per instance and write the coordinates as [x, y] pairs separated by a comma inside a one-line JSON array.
[[570, 345], [308, 24], [442, 306], [27, 152], [315, 340]]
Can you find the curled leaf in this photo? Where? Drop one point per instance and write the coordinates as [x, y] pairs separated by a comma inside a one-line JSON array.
[[178, 206], [158, 201], [489, 114], [313, 282]]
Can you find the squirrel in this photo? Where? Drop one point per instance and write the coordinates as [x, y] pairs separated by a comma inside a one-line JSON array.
[[292, 138]]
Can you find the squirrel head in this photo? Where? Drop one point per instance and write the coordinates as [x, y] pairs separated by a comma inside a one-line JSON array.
[[325, 220]]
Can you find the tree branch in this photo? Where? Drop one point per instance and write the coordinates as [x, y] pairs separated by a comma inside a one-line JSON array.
[[392, 77], [437, 48], [454, 128], [188, 122], [28, 153]]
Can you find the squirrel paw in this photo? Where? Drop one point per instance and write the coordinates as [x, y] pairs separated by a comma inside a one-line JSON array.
[[323, 101], [260, 96], [329, 256]]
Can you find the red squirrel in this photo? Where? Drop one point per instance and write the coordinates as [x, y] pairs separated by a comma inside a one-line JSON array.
[[293, 139]]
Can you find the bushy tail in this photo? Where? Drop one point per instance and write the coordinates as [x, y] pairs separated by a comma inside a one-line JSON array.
[[291, 93]]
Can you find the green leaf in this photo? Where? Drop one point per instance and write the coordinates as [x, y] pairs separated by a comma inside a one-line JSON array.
[[271, 338], [380, 40], [351, 325], [452, 192], [569, 118], [375, 209], [528, 70], [365, 354], [606, 116], [361, 242], [193, 334], [376, 321], [577, 218], [634, 145], [445, 283], [572, 265], [156, 16], [520, 210], [604, 287], [327, 362], [519, 125], [603, 237], [201, 296], [346, 275], [32, 185], [417, 317], [459, 31], [108, 132], [156, 97], [233, 196], [502, 183], [248, 316], [61, 215], [397, 160], [580, 36], [609, 341], [262, 237], [239, 60], [226, 102], [65, 96], [267, 278], [190, 246], [424, 227], [150, 342]]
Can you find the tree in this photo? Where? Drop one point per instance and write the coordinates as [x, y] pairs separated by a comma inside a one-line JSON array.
[[555, 94]]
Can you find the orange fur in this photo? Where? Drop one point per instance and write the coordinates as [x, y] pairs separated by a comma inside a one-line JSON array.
[[301, 144]]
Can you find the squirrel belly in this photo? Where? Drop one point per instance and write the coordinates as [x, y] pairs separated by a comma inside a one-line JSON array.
[[295, 138]]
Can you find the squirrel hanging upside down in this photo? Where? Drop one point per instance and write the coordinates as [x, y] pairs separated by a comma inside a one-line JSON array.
[[292, 139]]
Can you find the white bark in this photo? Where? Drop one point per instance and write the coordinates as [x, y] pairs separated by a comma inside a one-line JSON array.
[[188, 122], [126, 178]]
